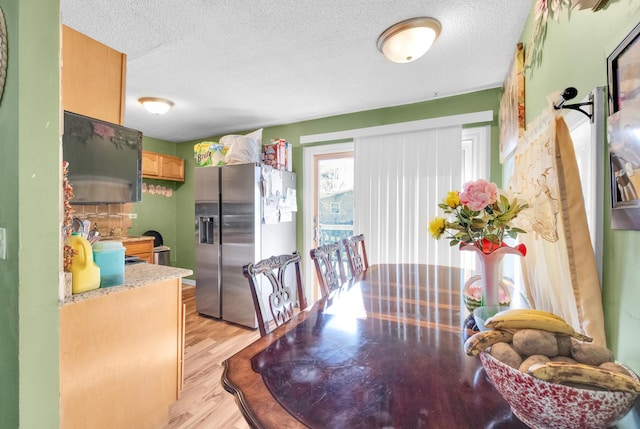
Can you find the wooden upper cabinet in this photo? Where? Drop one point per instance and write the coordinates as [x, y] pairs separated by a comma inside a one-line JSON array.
[[150, 164], [93, 77], [161, 166], [172, 167]]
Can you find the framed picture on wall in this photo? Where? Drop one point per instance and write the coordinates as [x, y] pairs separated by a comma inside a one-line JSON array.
[[511, 116], [623, 131], [623, 72]]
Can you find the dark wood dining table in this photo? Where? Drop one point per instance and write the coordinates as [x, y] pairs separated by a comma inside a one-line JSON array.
[[384, 351]]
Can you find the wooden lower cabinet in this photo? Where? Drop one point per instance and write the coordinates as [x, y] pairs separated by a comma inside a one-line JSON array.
[[121, 358], [139, 247]]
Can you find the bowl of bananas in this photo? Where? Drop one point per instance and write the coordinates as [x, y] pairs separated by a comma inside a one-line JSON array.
[[550, 375]]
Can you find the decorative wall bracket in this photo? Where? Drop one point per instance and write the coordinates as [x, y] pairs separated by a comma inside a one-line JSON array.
[[569, 94]]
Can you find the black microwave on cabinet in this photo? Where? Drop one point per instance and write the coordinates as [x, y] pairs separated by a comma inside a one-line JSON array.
[[104, 160]]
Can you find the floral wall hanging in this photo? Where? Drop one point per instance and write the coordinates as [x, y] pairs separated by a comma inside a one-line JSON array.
[[544, 10], [551, 9]]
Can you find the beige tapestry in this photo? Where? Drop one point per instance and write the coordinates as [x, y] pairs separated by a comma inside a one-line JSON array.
[[559, 270], [511, 118]]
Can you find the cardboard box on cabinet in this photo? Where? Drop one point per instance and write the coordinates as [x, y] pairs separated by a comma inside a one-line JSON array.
[[276, 154]]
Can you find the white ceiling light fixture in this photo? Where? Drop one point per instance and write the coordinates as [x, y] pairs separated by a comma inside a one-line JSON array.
[[408, 40], [155, 105]]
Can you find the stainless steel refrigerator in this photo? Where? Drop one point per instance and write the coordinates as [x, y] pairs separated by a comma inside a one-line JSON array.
[[243, 213]]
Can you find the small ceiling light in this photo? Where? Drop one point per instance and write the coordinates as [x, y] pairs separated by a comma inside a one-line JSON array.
[[408, 40], [157, 106]]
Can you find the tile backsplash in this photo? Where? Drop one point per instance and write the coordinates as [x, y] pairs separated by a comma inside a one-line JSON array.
[[111, 219]]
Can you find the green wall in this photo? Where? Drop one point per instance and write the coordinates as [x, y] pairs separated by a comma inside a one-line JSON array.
[[9, 131], [30, 173], [574, 54], [478, 101]]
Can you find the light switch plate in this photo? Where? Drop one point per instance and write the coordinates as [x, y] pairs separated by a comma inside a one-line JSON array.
[[3, 243]]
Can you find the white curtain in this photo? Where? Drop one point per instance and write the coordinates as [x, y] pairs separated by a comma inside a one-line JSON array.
[[559, 270], [399, 180]]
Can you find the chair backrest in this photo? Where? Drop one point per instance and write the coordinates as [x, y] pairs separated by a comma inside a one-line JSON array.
[[271, 273], [329, 269], [356, 254]]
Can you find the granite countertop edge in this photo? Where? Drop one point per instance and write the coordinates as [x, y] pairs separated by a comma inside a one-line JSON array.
[[135, 275], [126, 239]]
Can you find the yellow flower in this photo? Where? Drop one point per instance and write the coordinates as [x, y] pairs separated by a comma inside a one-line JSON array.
[[452, 199], [437, 227]]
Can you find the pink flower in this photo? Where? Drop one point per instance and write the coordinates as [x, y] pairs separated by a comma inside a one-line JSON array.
[[479, 194]]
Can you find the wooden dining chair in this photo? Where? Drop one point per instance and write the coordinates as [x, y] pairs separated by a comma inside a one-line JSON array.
[[329, 269], [356, 254], [268, 282]]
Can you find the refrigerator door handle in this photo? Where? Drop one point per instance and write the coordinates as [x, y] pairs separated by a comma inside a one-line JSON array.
[[216, 230]]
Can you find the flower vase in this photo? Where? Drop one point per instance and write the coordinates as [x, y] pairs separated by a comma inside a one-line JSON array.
[[490, 271]]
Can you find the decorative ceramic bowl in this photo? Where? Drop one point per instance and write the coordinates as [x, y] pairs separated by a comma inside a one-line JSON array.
[[472, 293], [544, 405]]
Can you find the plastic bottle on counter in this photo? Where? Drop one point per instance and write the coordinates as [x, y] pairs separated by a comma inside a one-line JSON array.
[[109, 256], [85, 274]]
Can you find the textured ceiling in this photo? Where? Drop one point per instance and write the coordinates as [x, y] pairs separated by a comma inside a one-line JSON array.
[[232, 65]]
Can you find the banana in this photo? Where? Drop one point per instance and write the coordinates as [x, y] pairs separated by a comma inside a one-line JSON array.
[[509, 321], [483, 339], [561, 372], [529, 311]]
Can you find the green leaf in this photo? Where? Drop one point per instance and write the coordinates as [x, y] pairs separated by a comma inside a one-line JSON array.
[[518, 230], [477, 223], [493, 238]]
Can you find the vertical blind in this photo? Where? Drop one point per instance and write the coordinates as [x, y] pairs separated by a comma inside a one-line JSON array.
[[399, 181]]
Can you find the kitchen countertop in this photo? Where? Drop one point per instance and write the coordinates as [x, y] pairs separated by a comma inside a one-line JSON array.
[[135, 275], [125, 238]]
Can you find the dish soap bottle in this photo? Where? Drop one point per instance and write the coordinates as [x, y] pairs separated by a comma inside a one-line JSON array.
[[85, 273]]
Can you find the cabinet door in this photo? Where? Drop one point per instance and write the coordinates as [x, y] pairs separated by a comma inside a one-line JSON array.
[[93, 77], [160, 166], [172, 168], [150, 164], [143, 249], [121, 351]]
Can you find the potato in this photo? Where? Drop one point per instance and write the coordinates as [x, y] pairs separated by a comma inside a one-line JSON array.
[[566, 359], [616, 367], [591, 354], [535, 342], [506, 354], [564, 344], [524, 366]]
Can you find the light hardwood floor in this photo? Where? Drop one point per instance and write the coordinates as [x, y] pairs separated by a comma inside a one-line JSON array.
[[203, 402]]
